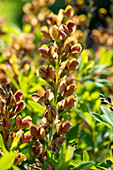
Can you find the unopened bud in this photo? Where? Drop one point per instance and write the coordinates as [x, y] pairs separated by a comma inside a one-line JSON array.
[[27, 138], [43, 52], [43, 73], [73, 64], [76, 49], [18, 122], [70, 90], [26, 122], [7, 122], [54, 33], [18, 95], [19, 106], [67, 48], [37, 133], [69, 11], [71, 26], [66, 127], [37, 150], [50, 113], [70, 102], [19, 159]]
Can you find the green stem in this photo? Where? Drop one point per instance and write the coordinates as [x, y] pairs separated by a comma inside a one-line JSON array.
[[56, 83], [55, 97]]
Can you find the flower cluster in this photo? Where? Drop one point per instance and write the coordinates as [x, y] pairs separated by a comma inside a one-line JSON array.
[[58, 96], [36, 12], [12, 125]]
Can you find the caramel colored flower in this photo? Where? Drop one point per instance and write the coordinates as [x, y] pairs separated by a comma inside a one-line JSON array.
[[50, 113], [37, 150], [42, 96], [68, 103], [37, 132], [63, 128], [59, 141]]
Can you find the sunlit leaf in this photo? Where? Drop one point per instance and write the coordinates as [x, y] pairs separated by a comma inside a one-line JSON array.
[[2, 145], [7, 161]]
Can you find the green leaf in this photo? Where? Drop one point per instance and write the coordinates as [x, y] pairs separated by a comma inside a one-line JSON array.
[[101, 119], [83, 165], [14, 167], [108, 114], [69, 153], [23, 84], [51, 157], [85, 156], [107, 118], [15, 142], [12, 79], [34, 167], [101, 168], [2, 59], [45, 167], [7, 161], [36, 106], [106, 57], [71, 134], [2, 145]]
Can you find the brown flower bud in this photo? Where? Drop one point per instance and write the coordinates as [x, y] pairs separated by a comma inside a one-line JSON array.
[[51, 51], [38, 133], [76, 49], [70, 102], [20, 159], [67, 49], [48, 95], [66, 127], [51, 19], [45, 31], [71, 26], [21, 135], [63, 128], [65, 29], [69, 11], [18, 122], [19, 106], [50, 113], [43, 52], [59, 141], [54, 32], [34, 131], [59, 127], [27, 138], [73, 64], [35, 97], [26, 122], [51, 73], [70, 90], [7, 122], [18, 95], [60, 16], [62, 35], [37, 150], [43, 73], [62, 89], [10, 97]]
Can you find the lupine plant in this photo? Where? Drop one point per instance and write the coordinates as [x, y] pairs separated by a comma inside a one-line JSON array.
[[58, 97], [11, 123], [56, 86]]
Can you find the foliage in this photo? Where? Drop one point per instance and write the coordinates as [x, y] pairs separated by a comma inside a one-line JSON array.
[[56, 87]]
